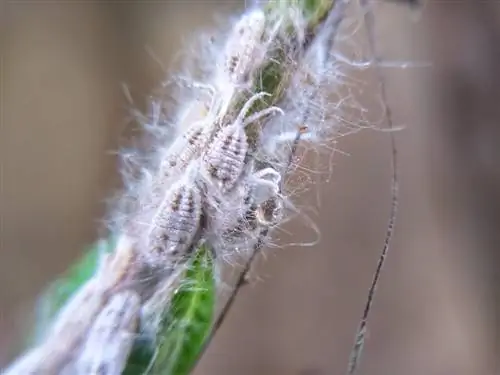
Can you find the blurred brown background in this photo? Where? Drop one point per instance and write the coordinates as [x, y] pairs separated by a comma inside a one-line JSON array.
[[63, 111]]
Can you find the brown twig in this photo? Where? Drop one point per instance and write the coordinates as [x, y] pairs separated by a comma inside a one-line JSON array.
[[361, 332]]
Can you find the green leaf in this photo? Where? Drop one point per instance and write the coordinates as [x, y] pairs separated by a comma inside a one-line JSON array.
[[58, 293], [184, 327], [140, 358], [189, 318], [316, 10]]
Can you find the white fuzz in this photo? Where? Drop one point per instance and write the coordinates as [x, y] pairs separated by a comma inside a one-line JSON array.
[[111, 337], [236, 221]]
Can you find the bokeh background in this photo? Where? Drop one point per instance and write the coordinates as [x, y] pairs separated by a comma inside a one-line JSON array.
[[64, 113]]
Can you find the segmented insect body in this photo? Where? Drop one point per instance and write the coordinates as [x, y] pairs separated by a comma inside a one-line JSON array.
[[174, 225], [244, 51], [225, 159], [186, 148], [110, 339]]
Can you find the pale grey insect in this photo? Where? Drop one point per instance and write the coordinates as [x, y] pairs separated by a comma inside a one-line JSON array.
[[224, 161], [175, 224], [247, 46], [188, 145], [185, 149], [110, 338], [244, 48], [225, 158], [197, 125]]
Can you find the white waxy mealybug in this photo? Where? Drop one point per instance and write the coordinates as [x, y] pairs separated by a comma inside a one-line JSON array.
[[224, 161], [197, 126], [186, 148], [174, 225], [109, 341], [244, 49]]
